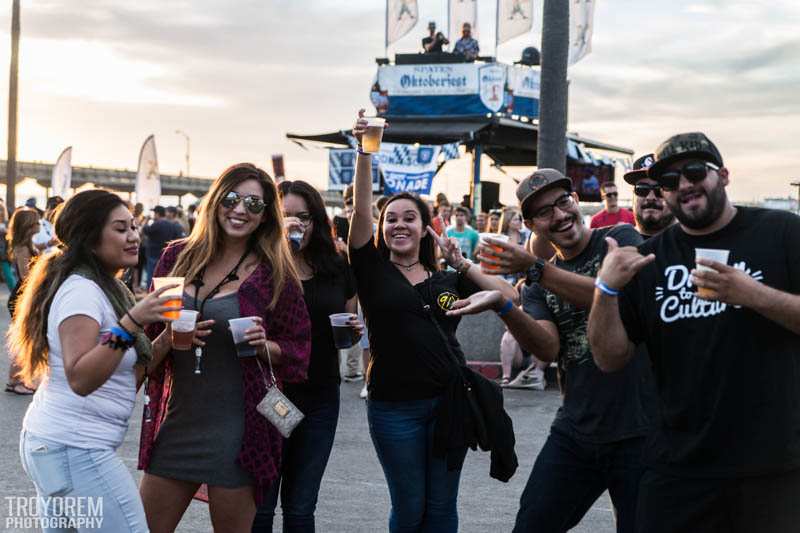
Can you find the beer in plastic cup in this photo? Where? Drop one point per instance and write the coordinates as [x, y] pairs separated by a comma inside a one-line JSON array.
[[183, 329], [487, 246], [342, 331], [238, 328], [176, 292], [720, 256], [371, 140]]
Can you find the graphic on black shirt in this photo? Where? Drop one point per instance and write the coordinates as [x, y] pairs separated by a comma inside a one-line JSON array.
[[679, 301], [446, 300]]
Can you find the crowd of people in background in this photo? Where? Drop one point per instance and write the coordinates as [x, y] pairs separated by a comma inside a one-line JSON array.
[[678, 374]]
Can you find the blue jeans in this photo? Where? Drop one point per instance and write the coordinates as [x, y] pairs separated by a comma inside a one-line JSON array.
[[147, 274], [66, 477], [569, 476], [423, 492], [305, 456]]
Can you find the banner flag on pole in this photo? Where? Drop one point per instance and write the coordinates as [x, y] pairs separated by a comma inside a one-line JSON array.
[[148, 180], [461, 11], [61, 181], [581, 15], [514, 18], [401, 17]]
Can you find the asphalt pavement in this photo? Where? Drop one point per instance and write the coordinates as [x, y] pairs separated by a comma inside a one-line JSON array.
[[353, 497]]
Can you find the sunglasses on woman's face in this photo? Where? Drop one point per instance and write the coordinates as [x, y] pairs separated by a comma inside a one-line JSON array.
[[643, 189], [253, 203], [694, 171]]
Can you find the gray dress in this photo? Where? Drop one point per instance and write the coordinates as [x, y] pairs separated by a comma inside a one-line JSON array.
[[204, 426]]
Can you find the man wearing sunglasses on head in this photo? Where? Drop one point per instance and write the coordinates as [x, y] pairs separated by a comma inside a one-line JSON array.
[[650, 211], [596, 440], [725, 456], [613, 214]]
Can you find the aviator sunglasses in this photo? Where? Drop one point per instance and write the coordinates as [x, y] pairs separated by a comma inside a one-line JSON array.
[[643, 189], [253, 203], [694, 171]]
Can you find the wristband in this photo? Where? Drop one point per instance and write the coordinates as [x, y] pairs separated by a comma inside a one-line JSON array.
[[135, 322], [464, 267], [605, 289], [361, 151], [122, 333], [507, 307]]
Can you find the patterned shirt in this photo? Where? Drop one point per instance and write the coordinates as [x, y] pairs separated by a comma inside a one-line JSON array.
[[468, 47]]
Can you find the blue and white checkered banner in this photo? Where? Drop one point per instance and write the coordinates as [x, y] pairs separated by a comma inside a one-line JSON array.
[[450, 151], [408, 167], [342, 169]]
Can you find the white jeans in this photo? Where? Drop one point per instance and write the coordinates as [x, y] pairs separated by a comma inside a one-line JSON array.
[[80, 489]]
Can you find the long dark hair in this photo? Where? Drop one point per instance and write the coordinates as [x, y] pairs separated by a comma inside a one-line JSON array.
[[427, 248], [79, 227], [320, 252], [21, 230]]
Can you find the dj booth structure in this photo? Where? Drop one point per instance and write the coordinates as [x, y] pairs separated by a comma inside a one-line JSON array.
[[490, 107]]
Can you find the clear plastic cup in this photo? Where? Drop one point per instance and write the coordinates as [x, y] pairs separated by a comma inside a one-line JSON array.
[[488, 246], [183, 329], [372, 137], [720, 256], [176, 292], [342, 332], [238, 328]]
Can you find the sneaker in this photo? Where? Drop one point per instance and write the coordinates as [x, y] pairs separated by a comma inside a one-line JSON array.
[[504, 382], [351, 378], [363, 393], [532, 379]]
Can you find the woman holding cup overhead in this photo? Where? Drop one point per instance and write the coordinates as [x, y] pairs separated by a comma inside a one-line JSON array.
[[329, 290], [412, 372], [202, 426]]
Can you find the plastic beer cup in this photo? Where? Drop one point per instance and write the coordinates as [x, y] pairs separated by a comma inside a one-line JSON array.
[[176, 292], [371, 139], [720, 256], [183, 329], [488, 246], [238, 328]]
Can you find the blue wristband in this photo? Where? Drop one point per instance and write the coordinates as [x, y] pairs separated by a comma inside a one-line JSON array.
[[605, 289], [122, 334], [507, 307]]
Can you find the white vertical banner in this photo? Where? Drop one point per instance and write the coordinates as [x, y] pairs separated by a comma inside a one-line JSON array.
[[401, 17], [581, 17], [61, 181], [459, 12], [514, 18], [148, 180]]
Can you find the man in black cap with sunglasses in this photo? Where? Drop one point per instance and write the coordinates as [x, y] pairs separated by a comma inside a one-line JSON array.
[[726, 454], [650, 212]]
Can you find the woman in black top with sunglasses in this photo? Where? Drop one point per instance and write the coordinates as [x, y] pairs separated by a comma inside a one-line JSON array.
[[328, 288]]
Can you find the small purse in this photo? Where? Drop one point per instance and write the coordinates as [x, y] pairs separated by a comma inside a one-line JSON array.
[[275, 406]]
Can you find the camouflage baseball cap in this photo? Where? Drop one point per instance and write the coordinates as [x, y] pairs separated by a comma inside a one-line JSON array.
[[640, 167], [684, 146], [541, 180]]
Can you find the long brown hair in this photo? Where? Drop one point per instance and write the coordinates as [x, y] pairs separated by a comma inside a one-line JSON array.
[[505, 219], [79, 227], [21, 229], [267, 241]]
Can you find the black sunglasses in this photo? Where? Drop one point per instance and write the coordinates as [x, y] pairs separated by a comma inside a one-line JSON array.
[[611, 194], [253, 203], [643, 189], [563, 202], [694, 171]]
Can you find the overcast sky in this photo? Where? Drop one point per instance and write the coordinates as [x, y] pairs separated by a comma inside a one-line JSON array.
[[237, 75]]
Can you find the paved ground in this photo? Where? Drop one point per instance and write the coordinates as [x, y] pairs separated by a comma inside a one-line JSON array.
[[354, 497]]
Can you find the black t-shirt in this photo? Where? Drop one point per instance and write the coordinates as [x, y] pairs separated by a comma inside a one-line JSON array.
[[158, 234], [728, 378], [598, 407], [437, 44], [410, 360], [324, 296]]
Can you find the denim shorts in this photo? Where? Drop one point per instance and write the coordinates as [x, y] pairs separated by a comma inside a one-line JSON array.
[[81, 489]]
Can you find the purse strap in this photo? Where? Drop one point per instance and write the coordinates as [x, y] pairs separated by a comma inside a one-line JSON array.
[[261, 368]]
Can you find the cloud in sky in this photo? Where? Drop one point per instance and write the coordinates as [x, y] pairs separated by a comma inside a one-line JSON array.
[[238, 75]]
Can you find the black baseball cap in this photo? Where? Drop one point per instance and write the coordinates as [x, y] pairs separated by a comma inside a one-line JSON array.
[[640, 167], [694, 145], [542, 180]]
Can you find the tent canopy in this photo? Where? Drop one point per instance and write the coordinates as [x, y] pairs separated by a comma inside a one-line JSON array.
[[507, 141]]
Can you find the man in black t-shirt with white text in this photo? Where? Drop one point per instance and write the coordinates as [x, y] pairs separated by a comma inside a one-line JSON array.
[[597, 438], [726, 454]]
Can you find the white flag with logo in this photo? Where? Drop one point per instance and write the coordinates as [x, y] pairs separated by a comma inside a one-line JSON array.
[[462, 11], [514, 18], [401, 17], [581, 16], [148, 180], [61, 181]]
